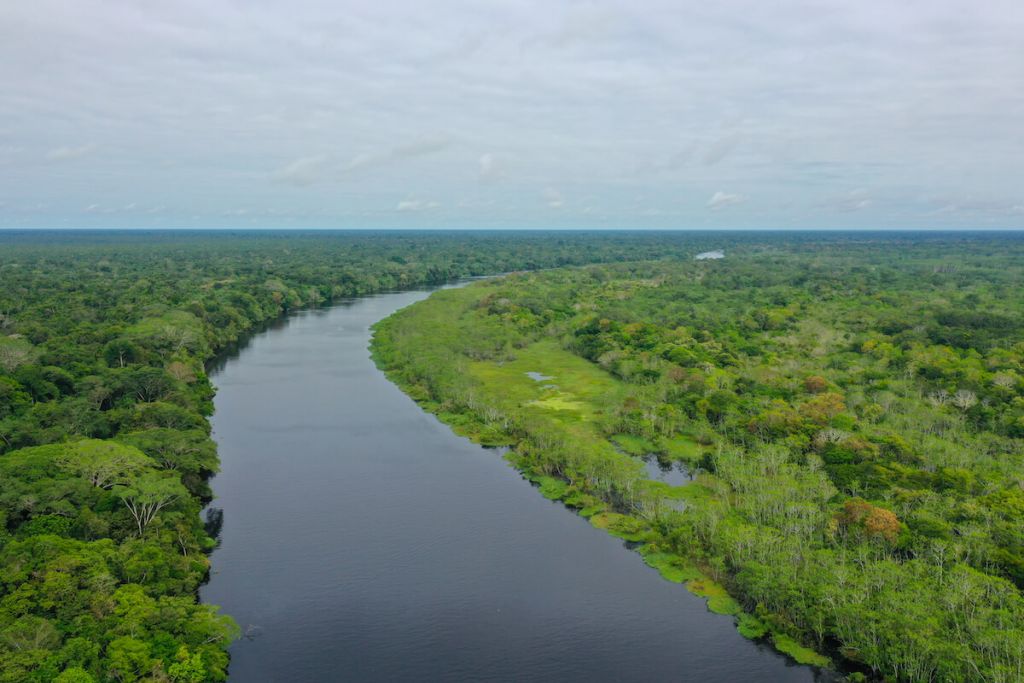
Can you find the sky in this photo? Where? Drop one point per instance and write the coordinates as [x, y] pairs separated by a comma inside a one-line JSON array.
[[512, 114]]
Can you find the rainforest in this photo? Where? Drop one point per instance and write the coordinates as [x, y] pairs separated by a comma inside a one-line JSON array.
[[105, 447], [851, 417], [821, 434]]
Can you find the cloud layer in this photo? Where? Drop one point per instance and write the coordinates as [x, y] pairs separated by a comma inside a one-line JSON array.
[[512, 114]]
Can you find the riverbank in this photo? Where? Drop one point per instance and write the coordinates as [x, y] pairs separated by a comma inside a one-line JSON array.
[[562, 395]]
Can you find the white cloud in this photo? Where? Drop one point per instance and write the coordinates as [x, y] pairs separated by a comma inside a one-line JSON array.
[[720, 200]]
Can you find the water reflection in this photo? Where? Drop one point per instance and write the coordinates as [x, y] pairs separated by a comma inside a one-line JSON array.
[[673, 473]]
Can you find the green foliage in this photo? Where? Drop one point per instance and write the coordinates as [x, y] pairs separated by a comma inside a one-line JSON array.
[[751, 627], [855, 416], [552, 488], [672, 568], [104, 443], [801, 654], [719, 600], [623, 526]]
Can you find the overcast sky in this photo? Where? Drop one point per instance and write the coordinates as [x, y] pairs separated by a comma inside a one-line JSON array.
[[525, 113]]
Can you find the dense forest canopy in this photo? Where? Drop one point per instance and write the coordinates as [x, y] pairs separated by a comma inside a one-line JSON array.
[[875, 376], [854, 414], [104, 444]]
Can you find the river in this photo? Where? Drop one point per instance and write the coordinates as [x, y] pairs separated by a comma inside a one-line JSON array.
[[363, 540]]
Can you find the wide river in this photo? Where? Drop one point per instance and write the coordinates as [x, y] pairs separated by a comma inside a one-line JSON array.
[[363, 540]]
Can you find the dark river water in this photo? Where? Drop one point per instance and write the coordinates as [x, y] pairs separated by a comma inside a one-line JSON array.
[[362, 540]]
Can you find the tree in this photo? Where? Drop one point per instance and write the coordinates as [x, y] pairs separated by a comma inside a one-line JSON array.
[[188, 668], [862, 517], [146, 495], [128, 659], [15, 352], [103, 464], [189, 450], [74, 674], [120, 353], [815, 384], [965, 399], [823, 408]]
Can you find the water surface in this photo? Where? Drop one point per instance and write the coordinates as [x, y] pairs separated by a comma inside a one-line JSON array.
[[362, 540]]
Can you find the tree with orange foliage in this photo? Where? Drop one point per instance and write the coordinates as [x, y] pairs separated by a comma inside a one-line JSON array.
[[861, 517], [815, 384], [823, 408]]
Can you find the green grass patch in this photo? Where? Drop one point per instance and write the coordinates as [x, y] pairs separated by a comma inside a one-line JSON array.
[[681, 448], [694, 493], [633, 444], [552, 488], [558, 400], [751, 627], [719, 600], [724, 604], [671, 567], [581, 385], [621, 526], [801, 654], [580, 500]]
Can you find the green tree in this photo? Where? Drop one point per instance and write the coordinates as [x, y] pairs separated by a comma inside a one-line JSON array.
[[145, 495]]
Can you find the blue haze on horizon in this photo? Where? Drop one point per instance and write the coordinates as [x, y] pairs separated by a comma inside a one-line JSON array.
[[512, 114]]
